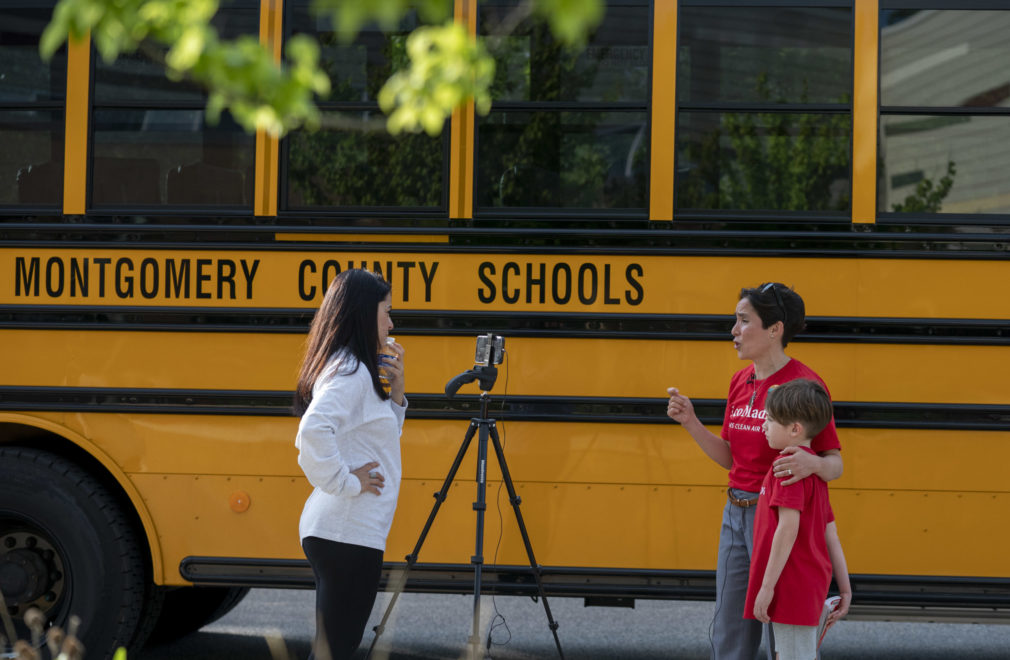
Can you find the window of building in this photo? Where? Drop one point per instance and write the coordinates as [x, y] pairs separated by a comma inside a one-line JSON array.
[[568, 128], [151, 143], [764, 115], [944, 109], [351, 163], [32, 94]]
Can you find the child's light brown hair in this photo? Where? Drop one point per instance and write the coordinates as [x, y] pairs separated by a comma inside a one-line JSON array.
[[800, 400]]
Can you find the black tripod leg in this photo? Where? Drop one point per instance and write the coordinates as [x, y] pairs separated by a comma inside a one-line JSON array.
[[516, 500], [480, 505], [412, 557]]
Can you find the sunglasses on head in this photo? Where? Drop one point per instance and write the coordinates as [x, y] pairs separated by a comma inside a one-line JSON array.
[[778, 300]]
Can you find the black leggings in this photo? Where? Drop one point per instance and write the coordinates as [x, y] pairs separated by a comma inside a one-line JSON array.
[[347, 579]]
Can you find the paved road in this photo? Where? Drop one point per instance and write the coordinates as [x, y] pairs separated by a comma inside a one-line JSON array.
[[436, 627]]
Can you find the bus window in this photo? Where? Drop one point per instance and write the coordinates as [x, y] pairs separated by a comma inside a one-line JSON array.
[[760, 91], [567, 127], [152, 146], [169, 156], [31, 115], [945, 112], [352, 162]]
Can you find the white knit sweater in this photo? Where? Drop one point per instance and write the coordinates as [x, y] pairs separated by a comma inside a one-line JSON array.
[[347, 425]]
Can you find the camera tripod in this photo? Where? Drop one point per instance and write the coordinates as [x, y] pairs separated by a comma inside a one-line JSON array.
[[484, 428]]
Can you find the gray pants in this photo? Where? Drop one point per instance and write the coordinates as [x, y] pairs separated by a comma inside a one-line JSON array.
[[734, 637]]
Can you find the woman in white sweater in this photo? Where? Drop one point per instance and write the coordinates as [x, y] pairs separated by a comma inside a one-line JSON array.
[[349, 448]]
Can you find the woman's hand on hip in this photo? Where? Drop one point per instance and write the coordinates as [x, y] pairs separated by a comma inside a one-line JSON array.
[[371, 479]]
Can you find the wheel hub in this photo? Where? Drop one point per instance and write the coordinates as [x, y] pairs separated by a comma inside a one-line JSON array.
[[31, 572], [23, 576]]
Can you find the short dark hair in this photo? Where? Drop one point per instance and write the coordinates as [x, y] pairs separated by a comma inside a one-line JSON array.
[[774, 302], [801, 400], [346, 320]]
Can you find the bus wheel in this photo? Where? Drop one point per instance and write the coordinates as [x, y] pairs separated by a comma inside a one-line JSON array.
[[187, 609], [66, 547]]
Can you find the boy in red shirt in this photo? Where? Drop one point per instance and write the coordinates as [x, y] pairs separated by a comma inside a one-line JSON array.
[[795, 541]]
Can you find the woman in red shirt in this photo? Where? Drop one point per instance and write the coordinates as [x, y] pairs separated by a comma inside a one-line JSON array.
[[767, 318]]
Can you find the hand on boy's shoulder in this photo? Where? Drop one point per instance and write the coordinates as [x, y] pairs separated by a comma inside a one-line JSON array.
[[793, 465]]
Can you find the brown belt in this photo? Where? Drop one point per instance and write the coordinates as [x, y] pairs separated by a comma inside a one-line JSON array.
[[743, 504]]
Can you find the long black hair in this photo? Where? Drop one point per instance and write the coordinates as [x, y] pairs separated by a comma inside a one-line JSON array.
[[347, 320]]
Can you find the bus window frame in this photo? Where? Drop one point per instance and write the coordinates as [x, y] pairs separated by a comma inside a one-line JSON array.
[[57, 107], [843, 217], [163, 209], [333, 215], [945, 219], [552, 216]]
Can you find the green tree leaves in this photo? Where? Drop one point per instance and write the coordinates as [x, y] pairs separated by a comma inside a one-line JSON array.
[[447, 65], [119, 26], [570, 20], [240, 75], [928, 197], [349, 16]]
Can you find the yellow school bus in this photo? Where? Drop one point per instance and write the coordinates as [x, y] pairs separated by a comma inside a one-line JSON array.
[[158, 275]]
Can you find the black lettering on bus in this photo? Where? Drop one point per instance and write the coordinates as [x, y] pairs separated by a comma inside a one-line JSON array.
[[405, 266], [78, 276], [485, 271], [310, 293], [607, 298], [202, 276], [54, 290], [249, 273], [635, 284], [27, 272], [102, 262], [329, 265], [590, 297], [124, 283], [377, 269], [145, 265], [428, 279], [222, 277], [536, 281], [561, 298], [177, 278], [510, 298]]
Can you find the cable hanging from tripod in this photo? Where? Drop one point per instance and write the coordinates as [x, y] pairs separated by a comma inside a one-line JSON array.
[[498, 620]]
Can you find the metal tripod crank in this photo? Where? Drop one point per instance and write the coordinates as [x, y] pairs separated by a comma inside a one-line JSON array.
[[484, 428]]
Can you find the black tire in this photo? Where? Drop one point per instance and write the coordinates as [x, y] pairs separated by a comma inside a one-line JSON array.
[[67, 547], [187, 609], [149, 615]]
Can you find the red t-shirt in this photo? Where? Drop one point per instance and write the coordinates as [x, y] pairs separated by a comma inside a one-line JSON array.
[[745, 414], [803, 585]]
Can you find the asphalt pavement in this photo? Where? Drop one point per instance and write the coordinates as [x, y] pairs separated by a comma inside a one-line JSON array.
[[278, 624]]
